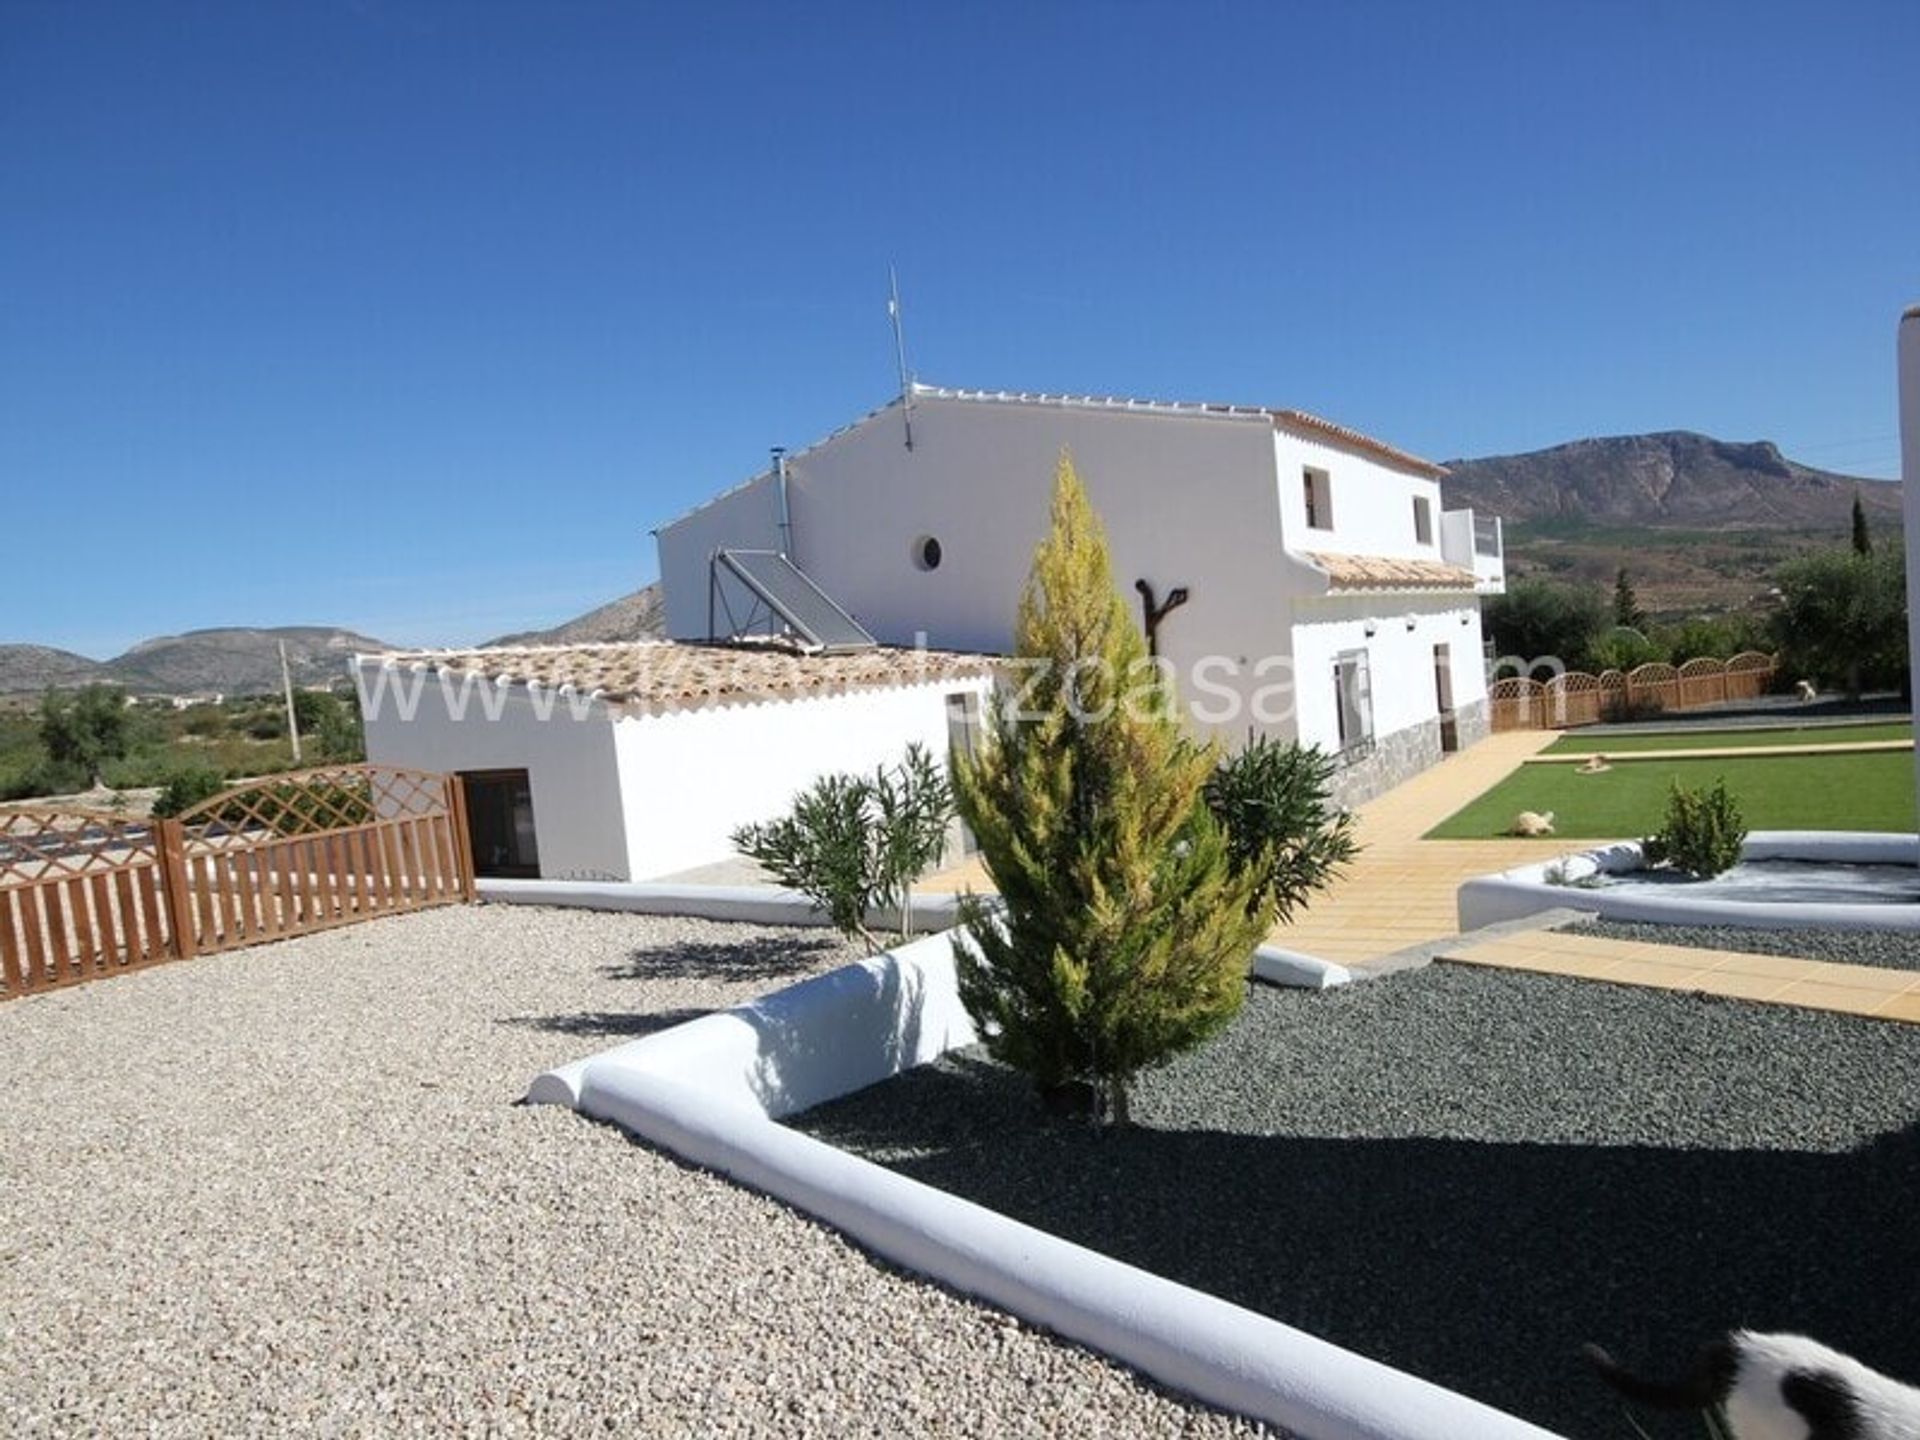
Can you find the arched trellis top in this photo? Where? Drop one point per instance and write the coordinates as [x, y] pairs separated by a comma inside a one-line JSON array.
[[1578, 698], [38, 842], [314, 802]]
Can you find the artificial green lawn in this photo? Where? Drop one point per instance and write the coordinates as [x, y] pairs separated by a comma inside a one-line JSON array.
[[1872, 791], [1578, 742]]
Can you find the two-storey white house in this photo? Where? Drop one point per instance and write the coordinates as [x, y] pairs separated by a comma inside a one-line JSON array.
[[1324, 593]]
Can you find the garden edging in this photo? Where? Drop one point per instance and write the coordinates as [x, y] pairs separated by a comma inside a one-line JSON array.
[[710, 1091]]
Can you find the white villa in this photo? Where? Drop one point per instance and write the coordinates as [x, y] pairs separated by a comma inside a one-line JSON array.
[[1328, 595], [1304, 582]]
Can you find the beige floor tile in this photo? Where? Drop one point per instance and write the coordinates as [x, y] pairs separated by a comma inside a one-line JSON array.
[[1900, 1007], [1742, 987], [1813, 995]]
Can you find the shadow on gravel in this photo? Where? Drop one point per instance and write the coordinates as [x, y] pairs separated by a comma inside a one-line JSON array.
[[1482, 1266], [764, 957], [625, 1025]]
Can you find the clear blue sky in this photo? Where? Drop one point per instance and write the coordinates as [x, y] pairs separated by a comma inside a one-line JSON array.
[[414, 317]]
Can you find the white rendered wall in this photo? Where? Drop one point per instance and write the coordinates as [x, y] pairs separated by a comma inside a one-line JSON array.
[[1372, 502], [690, 778], [1399, 660], [1910, 469], [745, 518], [1186, 500], [568, 756]]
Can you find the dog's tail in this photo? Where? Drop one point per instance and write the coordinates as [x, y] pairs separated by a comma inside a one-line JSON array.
[[1708, 1383]]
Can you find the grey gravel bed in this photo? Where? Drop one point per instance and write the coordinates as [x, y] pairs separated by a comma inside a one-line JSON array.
[[288, 1191], [1885, 949], [1468, 1173]]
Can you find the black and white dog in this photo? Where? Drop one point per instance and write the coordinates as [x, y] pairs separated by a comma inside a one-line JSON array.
[[1779, 1387]]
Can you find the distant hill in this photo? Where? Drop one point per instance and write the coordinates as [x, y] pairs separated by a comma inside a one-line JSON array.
[[35, 667], [639, 616], [1700, 524], [235, 661], [1673, 478]]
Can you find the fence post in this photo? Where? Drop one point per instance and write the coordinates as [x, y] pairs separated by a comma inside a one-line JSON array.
[[170, 844], [462, 837]]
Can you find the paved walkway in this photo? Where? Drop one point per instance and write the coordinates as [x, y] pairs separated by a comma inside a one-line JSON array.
[[1722, 752], [1400, 891], [1771, 979]]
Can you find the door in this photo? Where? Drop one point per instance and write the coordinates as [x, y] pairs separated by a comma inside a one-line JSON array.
[[1443, 697], [500, 823]]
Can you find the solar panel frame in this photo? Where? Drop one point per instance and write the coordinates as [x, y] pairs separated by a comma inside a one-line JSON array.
[[789, 592]]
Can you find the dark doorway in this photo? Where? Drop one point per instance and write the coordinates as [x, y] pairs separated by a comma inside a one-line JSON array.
[[500, 823], [1443, 695]]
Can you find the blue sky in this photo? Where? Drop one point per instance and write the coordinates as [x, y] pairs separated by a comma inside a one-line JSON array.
[[414, 317]]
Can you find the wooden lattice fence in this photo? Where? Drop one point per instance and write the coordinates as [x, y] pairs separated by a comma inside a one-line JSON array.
[[88, 893], [1578, 698]]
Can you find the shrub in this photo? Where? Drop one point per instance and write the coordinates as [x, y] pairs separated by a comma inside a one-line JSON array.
[[852, 842], [44, 777], [1271, 799], [1126, 929], [1703, 832], [86, 729], [186, 788]]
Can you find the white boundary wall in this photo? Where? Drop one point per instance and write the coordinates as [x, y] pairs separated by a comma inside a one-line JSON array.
[[1525, 890], [710, 1092]]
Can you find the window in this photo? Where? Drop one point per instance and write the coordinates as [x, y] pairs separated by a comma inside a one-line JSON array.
[[1353, 701], [963, 741], [926, 553], [1422, 520], [1319, 492]]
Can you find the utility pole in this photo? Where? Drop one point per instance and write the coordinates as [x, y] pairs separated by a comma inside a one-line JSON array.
[[286, 686]]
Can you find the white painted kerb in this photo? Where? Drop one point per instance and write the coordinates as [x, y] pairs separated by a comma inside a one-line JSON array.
[[708, 1092], [1525, 890]]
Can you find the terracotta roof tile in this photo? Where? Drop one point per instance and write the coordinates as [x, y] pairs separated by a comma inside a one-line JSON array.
[[663, 675], [1382, 572]]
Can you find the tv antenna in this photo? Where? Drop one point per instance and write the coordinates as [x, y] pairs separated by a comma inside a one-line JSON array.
[[900, 352]]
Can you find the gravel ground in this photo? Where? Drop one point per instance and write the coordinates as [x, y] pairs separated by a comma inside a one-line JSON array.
[[1887, 950], [288, 1191], [1467, 1173]]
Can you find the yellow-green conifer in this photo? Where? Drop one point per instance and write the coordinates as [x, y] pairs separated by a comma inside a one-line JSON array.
[[1126, 932]]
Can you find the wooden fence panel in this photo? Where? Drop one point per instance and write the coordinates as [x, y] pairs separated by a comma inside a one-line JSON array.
[[88, 893]]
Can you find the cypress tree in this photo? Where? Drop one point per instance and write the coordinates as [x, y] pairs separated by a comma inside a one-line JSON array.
[[1126, 930], [1862, 540]]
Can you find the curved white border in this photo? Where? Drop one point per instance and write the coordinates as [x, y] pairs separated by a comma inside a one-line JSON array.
[[708, 1091], [1524, 890]]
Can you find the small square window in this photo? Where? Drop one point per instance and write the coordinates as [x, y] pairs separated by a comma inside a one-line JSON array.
[[1317, 486], [1422, 520]]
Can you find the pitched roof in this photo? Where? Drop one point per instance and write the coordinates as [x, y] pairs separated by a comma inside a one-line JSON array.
[[655, 676], [1384, 572]]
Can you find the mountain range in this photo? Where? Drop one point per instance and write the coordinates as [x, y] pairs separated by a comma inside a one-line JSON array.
[[232, 661], [1699, 523]]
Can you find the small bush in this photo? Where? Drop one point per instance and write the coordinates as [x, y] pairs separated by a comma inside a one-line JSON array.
[[853, 842], [186, 788], [1703, 833], [44, 777], [1271, 799]]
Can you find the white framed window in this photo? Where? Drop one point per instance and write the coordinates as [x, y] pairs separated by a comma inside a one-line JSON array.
[[1317, 487], [1422, 520], [1353, 701]]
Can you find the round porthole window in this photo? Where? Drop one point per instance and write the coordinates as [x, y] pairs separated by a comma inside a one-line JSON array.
[[926, 553]]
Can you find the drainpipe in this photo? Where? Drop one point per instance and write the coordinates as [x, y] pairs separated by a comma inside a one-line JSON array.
[[786, 515]]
